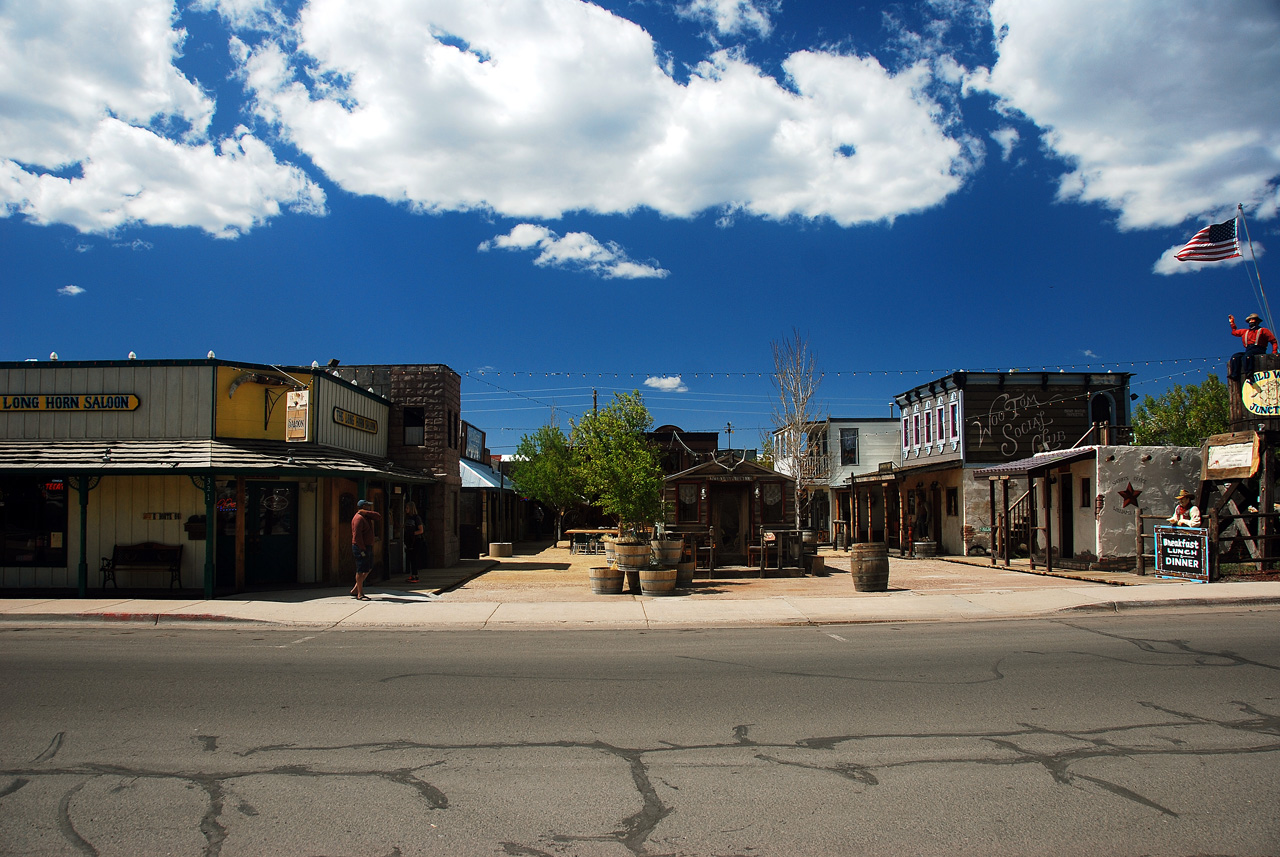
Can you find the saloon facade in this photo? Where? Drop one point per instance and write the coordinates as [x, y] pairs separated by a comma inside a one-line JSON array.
[[254, 470], [956, 425]]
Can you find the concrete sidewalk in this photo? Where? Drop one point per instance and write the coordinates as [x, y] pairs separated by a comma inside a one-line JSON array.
[[547, 587]]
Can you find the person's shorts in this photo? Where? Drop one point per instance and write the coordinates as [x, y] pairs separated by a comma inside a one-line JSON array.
[[364, 560]]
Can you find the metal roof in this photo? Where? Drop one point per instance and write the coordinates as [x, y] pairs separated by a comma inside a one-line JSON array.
[[197, 456], [477, 475], [1038, 461]]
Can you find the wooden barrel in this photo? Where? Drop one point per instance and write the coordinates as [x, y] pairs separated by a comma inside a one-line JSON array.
[[632, 556], [609, 555], [684, 573], [667, 551], [925, 549], [606, 580], [870, 567], [657, 581]]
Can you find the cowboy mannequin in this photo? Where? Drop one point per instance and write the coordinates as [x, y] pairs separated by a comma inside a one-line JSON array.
[[1185, 514], [1255, 338]]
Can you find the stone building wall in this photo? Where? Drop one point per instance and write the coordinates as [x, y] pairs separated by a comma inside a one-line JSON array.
[[436, 389]]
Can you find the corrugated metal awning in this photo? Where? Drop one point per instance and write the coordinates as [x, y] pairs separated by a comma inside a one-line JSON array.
[[1039, 461], [197, 456]]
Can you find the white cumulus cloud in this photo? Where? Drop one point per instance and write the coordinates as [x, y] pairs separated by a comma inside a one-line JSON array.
[[667, 384], [575, 251], [70, 291], [732, 17], [100, 129], [1161, 111], [535, 108]]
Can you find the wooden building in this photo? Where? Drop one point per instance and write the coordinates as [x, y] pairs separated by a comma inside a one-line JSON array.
[[954, 425], [725, 503], [253, 470]]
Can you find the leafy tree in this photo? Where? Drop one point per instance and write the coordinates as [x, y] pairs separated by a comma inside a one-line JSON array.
[[1183, 416], [620, 468], [545, 470]]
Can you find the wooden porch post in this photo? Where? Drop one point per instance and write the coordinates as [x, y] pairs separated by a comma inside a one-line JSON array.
[[991, 490]]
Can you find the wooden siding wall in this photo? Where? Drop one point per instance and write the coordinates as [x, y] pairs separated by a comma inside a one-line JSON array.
[[116, 516], [174, 402], [1019, 420], [328, 396]]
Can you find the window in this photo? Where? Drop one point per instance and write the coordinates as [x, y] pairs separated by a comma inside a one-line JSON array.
[[1086, 500], [415, 425], [953, 502], [771, 501], [33, 519], [687, 494], [915, 429], [928, 427], [942, 432], [906, 432], [848, 447], [955, 421]]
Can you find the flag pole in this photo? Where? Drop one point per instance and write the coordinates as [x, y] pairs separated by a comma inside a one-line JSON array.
[[1266, 306]]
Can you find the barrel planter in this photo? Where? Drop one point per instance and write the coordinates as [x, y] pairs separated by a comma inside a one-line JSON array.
[[606, 580], [631, 559], [657, 581], [684, 573], [925, 549], [610, 555], [668, 551], [870, 568]]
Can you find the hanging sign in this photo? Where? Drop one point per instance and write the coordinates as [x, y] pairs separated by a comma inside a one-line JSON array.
[[70, 402], [296, 420], [355, 421], [1183, 552]]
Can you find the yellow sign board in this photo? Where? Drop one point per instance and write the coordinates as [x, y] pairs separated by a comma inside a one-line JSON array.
[[355, 421], [70, 402], [1261, 394]]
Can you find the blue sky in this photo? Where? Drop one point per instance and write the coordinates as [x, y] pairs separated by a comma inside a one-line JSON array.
[[554, 197]]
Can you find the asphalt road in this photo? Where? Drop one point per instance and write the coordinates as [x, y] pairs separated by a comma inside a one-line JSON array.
[[1142, 734]]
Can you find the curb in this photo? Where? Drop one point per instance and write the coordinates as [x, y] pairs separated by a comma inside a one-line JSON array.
[[1120, 606]]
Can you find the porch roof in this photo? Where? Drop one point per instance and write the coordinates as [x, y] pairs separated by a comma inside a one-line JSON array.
[[477, 475], [196, 456], [1039, 461]]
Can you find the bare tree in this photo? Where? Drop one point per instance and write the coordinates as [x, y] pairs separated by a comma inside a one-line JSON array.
[[798, 452]]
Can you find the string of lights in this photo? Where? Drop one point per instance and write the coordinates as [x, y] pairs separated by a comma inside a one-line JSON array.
[[572, 400], [1103, 367]]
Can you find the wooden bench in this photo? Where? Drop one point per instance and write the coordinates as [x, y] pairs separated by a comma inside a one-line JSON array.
[[148, 556]]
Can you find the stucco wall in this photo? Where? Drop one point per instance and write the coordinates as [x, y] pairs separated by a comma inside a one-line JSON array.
[[1156, 471]]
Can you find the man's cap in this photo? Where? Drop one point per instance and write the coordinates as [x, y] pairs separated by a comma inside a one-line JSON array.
[[364, 504], [1184, 493], [1253, 316]]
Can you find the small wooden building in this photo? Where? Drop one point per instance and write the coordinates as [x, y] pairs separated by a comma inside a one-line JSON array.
[[725, 503]]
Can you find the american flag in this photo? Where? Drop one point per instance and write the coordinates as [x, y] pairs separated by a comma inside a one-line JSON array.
[[1212, 244]]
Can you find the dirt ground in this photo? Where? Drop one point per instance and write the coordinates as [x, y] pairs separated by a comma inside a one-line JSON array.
[[538, 572]]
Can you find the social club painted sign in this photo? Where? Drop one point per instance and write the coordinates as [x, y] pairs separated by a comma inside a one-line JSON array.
[[69, 402]]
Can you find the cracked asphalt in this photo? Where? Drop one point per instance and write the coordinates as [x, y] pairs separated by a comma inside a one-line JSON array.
[[1143, 734]]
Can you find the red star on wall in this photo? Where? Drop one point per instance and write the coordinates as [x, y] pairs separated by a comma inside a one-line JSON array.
[[1130, 495]]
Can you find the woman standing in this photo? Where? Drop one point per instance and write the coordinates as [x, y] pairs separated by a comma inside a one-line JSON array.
[[414, 527]]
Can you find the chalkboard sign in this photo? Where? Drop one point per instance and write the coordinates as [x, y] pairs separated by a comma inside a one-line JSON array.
[[1183, 552]]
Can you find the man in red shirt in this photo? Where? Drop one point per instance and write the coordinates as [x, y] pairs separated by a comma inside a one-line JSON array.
[[362, 537], [1255, 339]]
